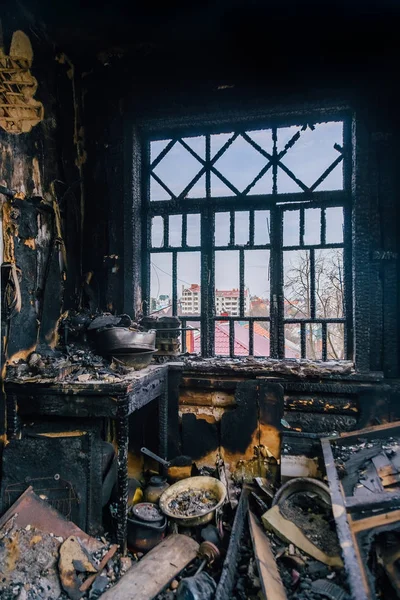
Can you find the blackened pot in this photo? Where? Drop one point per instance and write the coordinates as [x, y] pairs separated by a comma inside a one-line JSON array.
[[146, 527]]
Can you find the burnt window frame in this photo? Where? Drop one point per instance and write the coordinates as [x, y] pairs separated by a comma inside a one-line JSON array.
[[140, 129]]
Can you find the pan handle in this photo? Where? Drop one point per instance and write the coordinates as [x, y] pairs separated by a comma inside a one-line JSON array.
[[164, 463]]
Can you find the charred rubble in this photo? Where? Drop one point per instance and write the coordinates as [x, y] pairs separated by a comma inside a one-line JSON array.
[[179, 440]]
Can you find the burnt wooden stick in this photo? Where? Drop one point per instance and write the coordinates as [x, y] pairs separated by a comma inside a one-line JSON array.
[[88, 582]]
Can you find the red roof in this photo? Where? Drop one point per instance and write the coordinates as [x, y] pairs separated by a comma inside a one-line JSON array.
[[241, 346]]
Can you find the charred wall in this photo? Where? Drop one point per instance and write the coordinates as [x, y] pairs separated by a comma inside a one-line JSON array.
[[42, 164]]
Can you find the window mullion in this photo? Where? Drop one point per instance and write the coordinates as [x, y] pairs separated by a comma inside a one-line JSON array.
[[276, 299], [207, 265]]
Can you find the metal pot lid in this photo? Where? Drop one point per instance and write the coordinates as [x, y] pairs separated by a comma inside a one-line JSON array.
[[147, 511], [157, 480]]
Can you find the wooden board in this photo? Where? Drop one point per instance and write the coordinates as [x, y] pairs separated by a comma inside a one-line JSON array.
[[153, 573], [270, 578]]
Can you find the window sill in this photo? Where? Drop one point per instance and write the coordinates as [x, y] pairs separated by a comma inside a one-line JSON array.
[[277, 368]]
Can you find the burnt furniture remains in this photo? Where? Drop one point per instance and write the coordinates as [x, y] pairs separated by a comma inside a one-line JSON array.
[[96, 400]]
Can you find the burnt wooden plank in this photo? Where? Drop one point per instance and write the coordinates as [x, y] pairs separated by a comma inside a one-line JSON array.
[[320, 422], [270, 578], [355, 569]]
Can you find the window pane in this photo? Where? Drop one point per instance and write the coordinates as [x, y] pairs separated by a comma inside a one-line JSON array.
[[160, 281], [261, 339], [156, 148], [257, 283], [297, 288], [291, 228], [334, 225], [157, 232], [175, 230], [242, 228], [314, 341], [312, 226], [292, 341], [193, 230], [313, 153], [329, 283], [227, 297], [241, 347], [335, 341], [177, 168], [188, 274], [197, 144], [240, 163], [192, 337], [221, 338], [222, 229], [261, 227]]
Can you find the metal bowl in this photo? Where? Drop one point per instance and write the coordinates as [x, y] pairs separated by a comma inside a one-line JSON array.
[[135, 360], [193, 483], [123, 340]]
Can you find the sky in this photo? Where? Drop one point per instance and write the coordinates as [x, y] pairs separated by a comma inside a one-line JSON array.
[[307, 159]]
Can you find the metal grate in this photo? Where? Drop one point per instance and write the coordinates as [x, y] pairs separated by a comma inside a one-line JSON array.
[[273, 199]]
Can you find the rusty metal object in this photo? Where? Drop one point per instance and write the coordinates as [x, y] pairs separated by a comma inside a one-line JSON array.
[[29, 509], [135, 360], [209, 553], [302, 484], [194, 484], [146, 526], [122, 340]]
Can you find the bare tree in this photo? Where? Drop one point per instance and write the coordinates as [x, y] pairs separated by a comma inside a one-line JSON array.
[[329, 297]]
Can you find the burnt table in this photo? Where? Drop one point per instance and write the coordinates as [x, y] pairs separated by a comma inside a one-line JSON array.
[[115, 400]]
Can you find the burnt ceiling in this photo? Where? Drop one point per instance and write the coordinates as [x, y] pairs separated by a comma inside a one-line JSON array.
[[264, 32]]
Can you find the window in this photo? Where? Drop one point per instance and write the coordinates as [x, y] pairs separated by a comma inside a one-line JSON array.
[[248, 238]]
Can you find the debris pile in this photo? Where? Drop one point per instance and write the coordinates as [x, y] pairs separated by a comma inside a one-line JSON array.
[[192, 503]]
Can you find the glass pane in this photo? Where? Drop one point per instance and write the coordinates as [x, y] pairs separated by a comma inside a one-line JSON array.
[[198, 144], [188, 274], [292, 341], [177, 169], [192, 337], [156, 148], [221, 338], [222, 229], [312, 226], [242, 228], [227, 297], [175, 230], [263, 138], [218, 187], [157, 232], [199, 188], [291, 228], [263, 185], [329, 283], [160, 282], [240, 163], [335, 341], [218, 140], [257, 283], [157, 192], [314, 341], [297, 289], [193, 230], [241, 347], [285, 184], [285, 134], [261, 227], [334, 225], [261, 339], [314, 152]]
